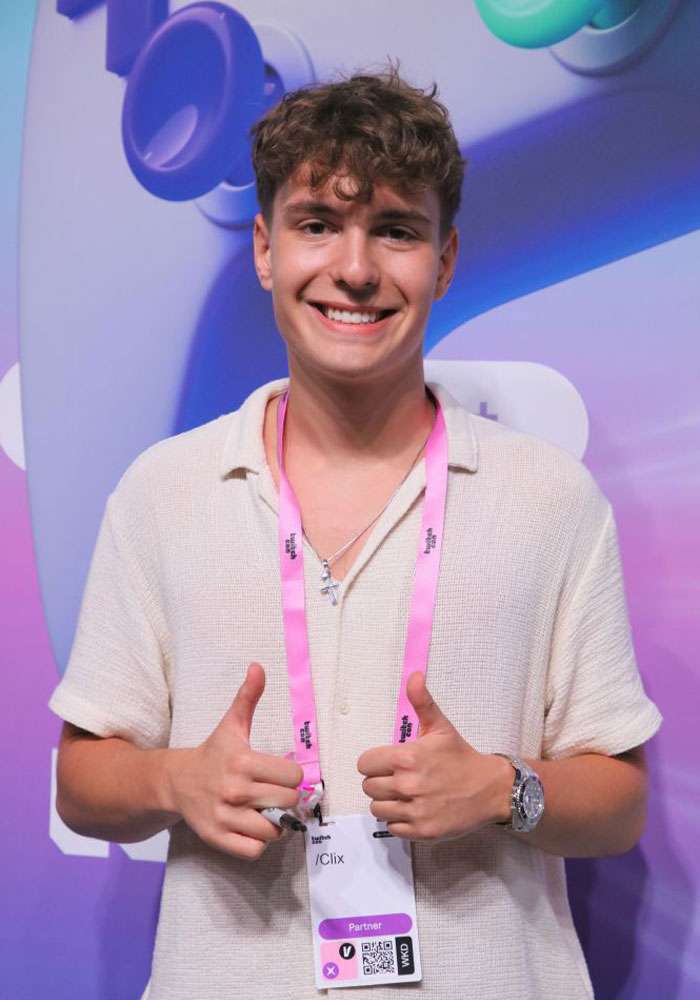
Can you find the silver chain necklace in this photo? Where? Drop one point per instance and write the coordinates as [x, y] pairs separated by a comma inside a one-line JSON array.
[[330, 586]]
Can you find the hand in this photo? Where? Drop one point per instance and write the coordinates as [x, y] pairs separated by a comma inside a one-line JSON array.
[[438, 787], [218, 786]]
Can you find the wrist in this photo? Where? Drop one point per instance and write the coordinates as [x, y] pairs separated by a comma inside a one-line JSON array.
[[526, 798], [502, 789], [166, 769]]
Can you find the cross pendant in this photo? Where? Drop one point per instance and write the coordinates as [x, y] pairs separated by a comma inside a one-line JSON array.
[[328, 585]]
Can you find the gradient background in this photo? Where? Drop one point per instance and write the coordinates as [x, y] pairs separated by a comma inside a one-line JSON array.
[[594, 280]]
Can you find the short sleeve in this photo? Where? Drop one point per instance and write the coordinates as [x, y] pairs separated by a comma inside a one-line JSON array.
[[115, 682], [595, 699]]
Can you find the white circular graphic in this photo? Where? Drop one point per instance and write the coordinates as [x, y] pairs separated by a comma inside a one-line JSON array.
[[595, 51], [11, 436]]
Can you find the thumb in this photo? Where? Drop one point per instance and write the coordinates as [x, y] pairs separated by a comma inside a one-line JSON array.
[[429, 715], [242, 709]]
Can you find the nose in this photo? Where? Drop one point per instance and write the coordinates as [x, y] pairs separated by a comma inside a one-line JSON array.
[[354, 266]]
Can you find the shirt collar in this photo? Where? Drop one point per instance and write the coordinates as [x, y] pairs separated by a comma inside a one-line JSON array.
[[462, 444], [244, 449]]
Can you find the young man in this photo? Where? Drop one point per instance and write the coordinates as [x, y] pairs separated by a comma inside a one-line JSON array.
[[177, 697]]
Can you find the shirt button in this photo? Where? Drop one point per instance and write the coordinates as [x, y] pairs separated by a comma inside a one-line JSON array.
[[344, 706]]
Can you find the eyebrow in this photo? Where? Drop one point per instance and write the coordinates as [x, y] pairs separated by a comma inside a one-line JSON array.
[[313, 207], [405, 215]]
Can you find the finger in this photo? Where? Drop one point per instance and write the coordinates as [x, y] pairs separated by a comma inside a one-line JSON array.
[[391, 811], [377, 762], [414, 831], [246, 848], [249, 823], [382, 789], [275, 770], [429, 715], [242, 709], [264, 796], [403, 830]]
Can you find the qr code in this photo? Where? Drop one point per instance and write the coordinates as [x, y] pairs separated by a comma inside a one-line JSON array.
[[378, 958]]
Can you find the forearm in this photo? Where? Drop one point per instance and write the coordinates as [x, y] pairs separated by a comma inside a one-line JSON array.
[[111, 789], [594, 805]]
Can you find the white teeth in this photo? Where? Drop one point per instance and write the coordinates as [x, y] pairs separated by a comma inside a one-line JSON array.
[[345, 316]]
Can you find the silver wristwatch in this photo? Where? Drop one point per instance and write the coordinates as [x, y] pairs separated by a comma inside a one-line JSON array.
[[526, 798]]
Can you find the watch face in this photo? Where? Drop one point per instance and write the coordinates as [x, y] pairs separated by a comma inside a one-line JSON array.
[[532, 799]]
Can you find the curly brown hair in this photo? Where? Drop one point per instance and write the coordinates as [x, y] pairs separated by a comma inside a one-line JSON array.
[[370, 128]]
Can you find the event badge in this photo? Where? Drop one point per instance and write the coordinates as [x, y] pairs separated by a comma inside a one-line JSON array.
[[363, 905]]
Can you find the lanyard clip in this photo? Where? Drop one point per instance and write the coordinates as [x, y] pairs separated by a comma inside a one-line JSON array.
[[310, 796]]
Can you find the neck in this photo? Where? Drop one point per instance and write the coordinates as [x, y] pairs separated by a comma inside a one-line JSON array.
[[344, 422]]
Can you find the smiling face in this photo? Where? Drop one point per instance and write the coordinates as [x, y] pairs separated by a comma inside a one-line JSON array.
[[353, 284]]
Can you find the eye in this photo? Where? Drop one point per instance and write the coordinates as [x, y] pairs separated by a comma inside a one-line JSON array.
[[314, 228], [399, 235]]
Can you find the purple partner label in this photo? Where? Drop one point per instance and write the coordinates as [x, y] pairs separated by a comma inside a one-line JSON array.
[[370, 926]]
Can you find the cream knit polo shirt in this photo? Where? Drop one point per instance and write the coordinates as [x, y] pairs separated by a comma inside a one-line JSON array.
[[530, 655]]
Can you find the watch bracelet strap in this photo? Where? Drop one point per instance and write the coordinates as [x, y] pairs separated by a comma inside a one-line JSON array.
[[522, 771]]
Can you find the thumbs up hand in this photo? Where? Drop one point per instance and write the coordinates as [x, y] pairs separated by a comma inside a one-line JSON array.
[[438, 787], [219, 786]]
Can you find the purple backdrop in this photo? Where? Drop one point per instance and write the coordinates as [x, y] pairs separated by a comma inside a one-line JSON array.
[[580, 250]]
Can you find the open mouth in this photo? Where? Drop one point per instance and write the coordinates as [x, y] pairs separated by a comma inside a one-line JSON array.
[[357, 317]]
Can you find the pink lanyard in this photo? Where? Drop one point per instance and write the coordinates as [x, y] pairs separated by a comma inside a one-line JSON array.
[[420, 620]]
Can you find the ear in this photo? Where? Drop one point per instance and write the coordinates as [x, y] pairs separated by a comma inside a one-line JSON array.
[[446, 266], [262, 251]]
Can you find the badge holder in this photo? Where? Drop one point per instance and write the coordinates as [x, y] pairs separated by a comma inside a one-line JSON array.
[[363, 907]]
